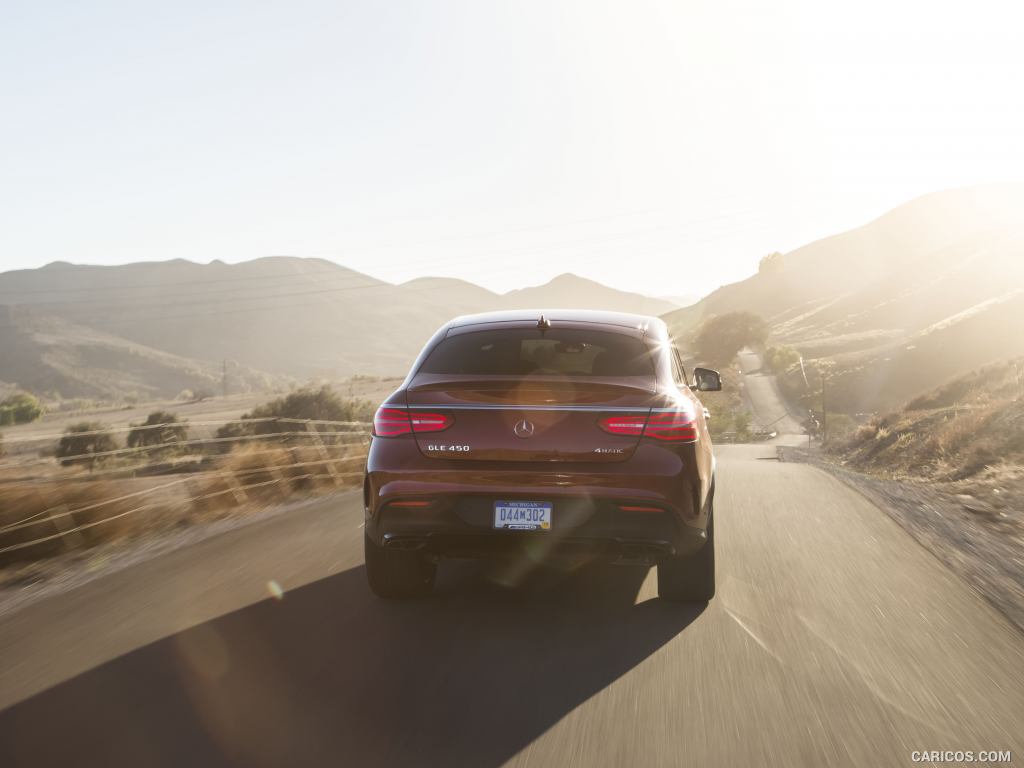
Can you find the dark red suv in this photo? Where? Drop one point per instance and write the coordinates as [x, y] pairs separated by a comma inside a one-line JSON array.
[[549, 436]]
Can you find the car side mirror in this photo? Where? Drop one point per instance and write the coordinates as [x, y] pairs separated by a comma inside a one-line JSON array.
[[707, 380]]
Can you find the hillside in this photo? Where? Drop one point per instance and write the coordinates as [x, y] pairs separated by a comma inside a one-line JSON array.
[[57, 357], [901, 304], [284, 316], [967, 435]]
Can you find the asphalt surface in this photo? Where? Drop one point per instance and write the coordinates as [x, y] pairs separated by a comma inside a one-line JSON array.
[[835, 639], [762, 397]]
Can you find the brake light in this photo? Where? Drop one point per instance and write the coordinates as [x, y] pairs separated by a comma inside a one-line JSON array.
[[623, 425], [392, 422], [671, 426], [674, 426]]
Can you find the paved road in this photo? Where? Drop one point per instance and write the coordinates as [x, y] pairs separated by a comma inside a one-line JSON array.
[[834, 640], [763, 397]]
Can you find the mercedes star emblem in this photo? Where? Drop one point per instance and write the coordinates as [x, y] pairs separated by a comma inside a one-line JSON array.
[[523, 429]]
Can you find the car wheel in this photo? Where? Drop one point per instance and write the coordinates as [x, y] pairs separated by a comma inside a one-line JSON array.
[[398, 573], [690, 578]]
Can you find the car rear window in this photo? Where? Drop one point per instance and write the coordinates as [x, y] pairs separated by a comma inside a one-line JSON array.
[[523, 351]]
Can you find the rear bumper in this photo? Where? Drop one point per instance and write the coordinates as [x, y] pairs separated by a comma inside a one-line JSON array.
[[462, 526], [586, 498]]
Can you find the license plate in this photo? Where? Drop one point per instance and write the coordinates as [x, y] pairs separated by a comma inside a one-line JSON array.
[[523, 515]]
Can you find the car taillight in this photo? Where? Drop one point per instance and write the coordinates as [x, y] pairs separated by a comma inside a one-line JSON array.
[[623, 425], [671, 426], [430, 422], [392, 422], [674, 426]]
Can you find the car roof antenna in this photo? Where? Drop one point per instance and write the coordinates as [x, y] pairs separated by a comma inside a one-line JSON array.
[[543, 324]]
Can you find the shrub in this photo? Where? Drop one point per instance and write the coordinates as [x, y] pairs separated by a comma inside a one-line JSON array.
[[19, 409], [312, 403], [841, 426], [168, 438], [865, 432], [319, 404], [81, 442]]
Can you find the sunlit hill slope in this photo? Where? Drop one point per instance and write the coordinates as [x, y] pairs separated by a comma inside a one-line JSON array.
[[922, 294]]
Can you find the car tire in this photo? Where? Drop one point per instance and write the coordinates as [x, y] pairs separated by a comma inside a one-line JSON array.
[[398, 574], [690, 578]]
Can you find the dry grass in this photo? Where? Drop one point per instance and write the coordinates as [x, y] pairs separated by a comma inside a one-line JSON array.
[[966, 437], [265, 474], [137, 496], [43, 510]]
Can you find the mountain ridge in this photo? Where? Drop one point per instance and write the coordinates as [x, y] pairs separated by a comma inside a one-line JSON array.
[[279, 318]]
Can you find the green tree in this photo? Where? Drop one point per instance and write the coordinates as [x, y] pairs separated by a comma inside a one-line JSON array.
[[779, 359], [19, 409], [722, 336], [81, 442], [162, 431]]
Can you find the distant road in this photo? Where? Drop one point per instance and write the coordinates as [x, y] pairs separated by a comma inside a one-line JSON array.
[[834, 640], [764, 399]]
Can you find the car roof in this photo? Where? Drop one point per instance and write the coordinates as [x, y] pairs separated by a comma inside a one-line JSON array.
[[646, 324]]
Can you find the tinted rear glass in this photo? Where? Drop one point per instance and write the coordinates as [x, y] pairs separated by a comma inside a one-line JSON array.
[[523, 351]]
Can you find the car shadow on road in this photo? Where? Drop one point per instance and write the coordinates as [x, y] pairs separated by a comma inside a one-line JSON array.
[[329, 674]]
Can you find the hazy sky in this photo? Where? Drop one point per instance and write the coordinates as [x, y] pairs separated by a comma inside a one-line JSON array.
[[655, 146]]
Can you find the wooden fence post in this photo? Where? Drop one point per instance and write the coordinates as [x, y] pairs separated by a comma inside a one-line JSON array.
[[65, 526], [241, 497], [324, 454]]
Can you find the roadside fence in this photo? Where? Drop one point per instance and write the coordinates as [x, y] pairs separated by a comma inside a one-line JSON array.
[[291, 456]]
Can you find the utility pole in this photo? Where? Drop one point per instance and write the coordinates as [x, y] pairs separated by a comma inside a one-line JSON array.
[[824, 411], [224, 377]]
